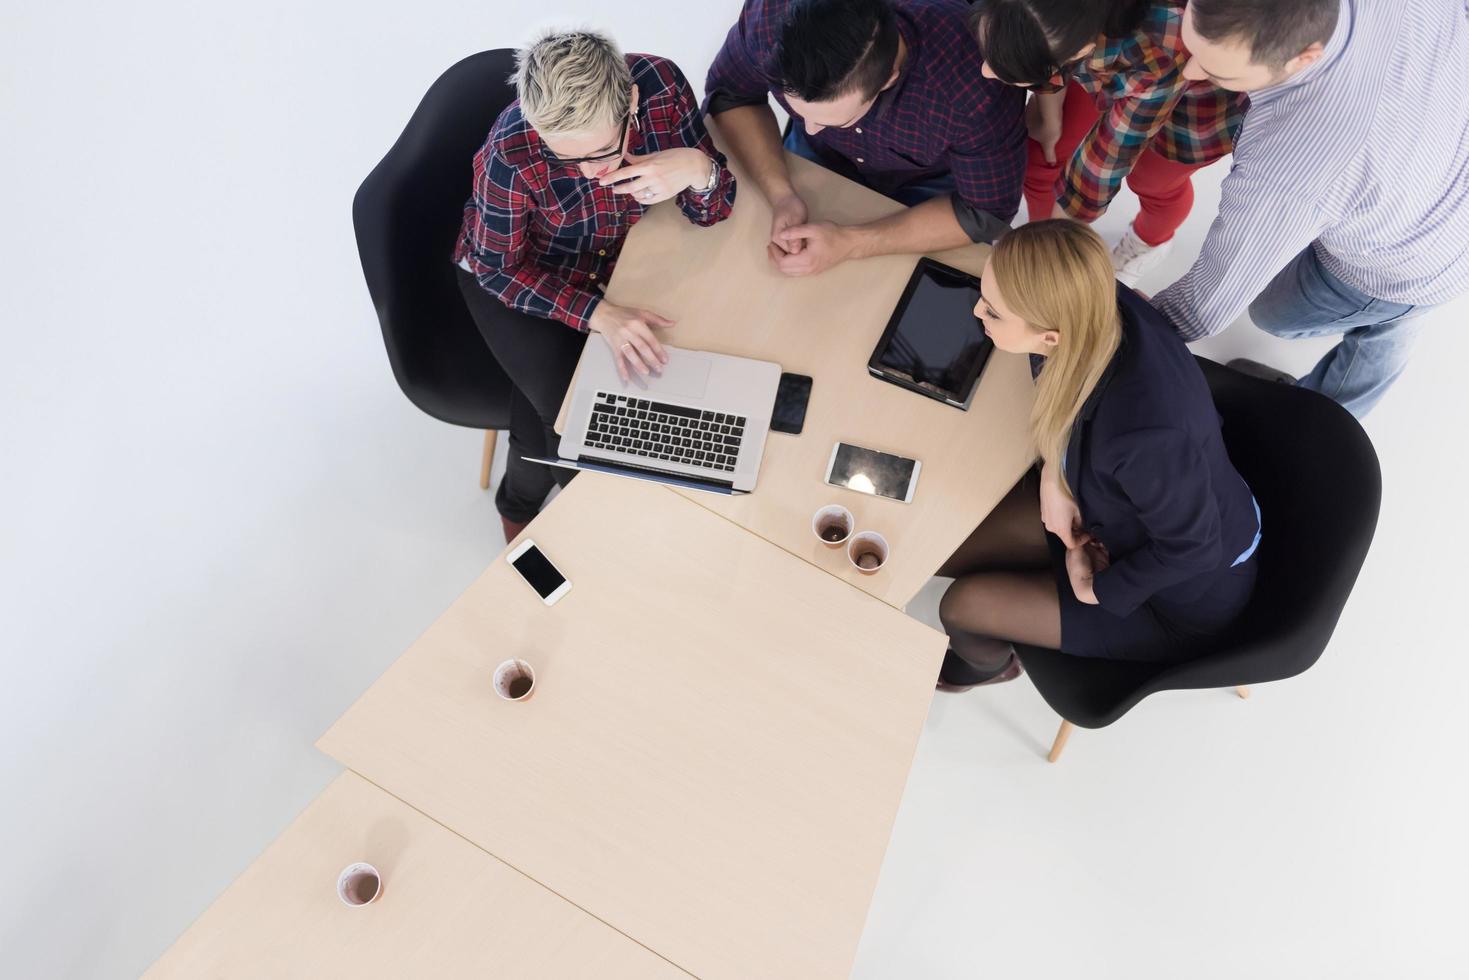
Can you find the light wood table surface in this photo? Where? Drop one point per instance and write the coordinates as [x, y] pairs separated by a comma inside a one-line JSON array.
[[719, 285], [713, 755], [447, 909]]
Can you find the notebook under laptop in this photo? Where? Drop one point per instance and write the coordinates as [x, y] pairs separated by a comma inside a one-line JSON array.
[[701, 423]]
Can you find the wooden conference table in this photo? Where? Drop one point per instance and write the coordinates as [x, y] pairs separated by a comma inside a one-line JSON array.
[[447, 909], [715, 750], [719, 286], [724, 715]]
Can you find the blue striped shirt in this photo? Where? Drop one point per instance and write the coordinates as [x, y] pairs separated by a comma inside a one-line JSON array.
[[1365, 154]]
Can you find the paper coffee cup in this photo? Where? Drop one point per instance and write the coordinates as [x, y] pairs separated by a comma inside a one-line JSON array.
[[359, 885], [868, 552], [828, 520], [514, 680]]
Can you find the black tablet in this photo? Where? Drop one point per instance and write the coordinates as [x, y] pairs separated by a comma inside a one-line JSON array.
[[934, 344]]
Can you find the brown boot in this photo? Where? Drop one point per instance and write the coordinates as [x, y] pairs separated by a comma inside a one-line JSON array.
[[955, 675], [512, 528]]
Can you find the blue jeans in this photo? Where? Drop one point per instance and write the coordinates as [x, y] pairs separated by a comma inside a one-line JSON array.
[[1304, 300], [911, 194]]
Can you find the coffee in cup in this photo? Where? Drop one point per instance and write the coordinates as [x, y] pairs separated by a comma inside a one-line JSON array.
[[514, 680], [833, 525], [868, 552], [358, 885]]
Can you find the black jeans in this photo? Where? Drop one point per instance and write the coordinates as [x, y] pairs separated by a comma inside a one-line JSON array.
[[540, 357]]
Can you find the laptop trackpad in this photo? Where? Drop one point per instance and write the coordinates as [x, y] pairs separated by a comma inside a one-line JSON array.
[[686, 375]]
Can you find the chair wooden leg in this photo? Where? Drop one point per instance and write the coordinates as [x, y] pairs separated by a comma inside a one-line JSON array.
[[1059, 745], [484, 463], [1243, 692]]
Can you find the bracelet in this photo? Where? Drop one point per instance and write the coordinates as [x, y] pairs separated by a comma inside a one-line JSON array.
[[708, 189]]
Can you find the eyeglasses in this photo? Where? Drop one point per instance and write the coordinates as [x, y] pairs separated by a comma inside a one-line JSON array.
[[616, 154]]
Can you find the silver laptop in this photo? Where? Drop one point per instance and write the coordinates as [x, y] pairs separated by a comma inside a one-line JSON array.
[[701, 423]]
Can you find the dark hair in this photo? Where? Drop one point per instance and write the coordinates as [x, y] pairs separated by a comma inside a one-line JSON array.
[[1275, 30], [1025, 41], [828, 48]]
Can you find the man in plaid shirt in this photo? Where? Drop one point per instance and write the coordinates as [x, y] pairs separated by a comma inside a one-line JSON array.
[[1111, 103], [595, 139], [887, 92]]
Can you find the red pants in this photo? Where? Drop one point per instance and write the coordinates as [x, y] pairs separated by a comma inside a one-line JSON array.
[[1162, 186]]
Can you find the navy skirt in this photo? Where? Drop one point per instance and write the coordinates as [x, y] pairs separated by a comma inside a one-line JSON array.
[[1152, 632]]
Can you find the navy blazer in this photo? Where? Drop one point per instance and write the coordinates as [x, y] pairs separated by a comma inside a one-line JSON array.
[[1147, 465]]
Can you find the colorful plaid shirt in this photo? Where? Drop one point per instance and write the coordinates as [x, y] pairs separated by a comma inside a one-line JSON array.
[[1137, 81], [940, 116], [543, 238]]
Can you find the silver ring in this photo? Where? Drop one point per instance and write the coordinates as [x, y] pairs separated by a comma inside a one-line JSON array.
[[647, 195], [626, 345]]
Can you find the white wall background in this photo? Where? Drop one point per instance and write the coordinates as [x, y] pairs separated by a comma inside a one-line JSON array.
[[219, 521]]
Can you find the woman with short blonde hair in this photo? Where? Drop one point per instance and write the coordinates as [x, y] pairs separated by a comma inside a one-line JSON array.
[[1135, 539], [594, 139], [572, 82]]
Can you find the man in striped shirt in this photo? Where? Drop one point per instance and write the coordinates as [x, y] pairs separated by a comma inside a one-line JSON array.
[[1347, 208]]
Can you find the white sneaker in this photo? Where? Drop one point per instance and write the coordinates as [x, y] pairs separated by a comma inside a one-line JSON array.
[[1134, 258]]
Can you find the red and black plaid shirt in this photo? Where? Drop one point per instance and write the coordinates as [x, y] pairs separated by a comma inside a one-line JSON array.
[[543, 238], [941, 115]]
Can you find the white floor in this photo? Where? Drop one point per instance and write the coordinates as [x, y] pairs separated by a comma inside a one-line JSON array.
[[219, 521]]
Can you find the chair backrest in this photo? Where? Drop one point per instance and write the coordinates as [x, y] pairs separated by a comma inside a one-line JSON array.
[[407, 215], [1316, 477]]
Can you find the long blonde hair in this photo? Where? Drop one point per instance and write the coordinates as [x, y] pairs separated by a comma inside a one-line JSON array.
[[1057, 275]]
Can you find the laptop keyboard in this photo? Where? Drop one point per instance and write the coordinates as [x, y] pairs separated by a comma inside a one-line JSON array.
[[659, 431]]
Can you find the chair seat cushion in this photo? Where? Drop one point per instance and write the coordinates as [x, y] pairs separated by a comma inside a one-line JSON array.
[[1088, 691]]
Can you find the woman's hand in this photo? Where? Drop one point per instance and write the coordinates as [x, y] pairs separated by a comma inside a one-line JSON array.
[[629, 332], [1083, 564], [1059, 512], [1043, 120], [659, 176]]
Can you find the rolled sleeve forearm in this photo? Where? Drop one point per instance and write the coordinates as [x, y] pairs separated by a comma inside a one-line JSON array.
[[531, 289], [719, 100], [981, 226], [735, 75], [1257, 232], [715, 205]]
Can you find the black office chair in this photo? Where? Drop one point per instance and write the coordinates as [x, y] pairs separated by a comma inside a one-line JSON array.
[[1316, 477], [407, 215]]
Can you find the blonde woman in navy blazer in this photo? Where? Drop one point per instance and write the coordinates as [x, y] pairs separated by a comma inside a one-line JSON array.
[[1136, 538]]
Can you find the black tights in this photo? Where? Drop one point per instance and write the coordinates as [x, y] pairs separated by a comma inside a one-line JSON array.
[[1004, 590]]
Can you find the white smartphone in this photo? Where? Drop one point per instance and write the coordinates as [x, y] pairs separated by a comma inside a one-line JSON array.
[[538, 572], [873, 472]]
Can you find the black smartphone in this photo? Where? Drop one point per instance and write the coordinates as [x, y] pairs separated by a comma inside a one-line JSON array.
[[791, 396]]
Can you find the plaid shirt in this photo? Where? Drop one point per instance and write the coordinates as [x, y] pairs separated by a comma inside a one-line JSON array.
[[1139, 87], [940, 116], [542, 237]]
